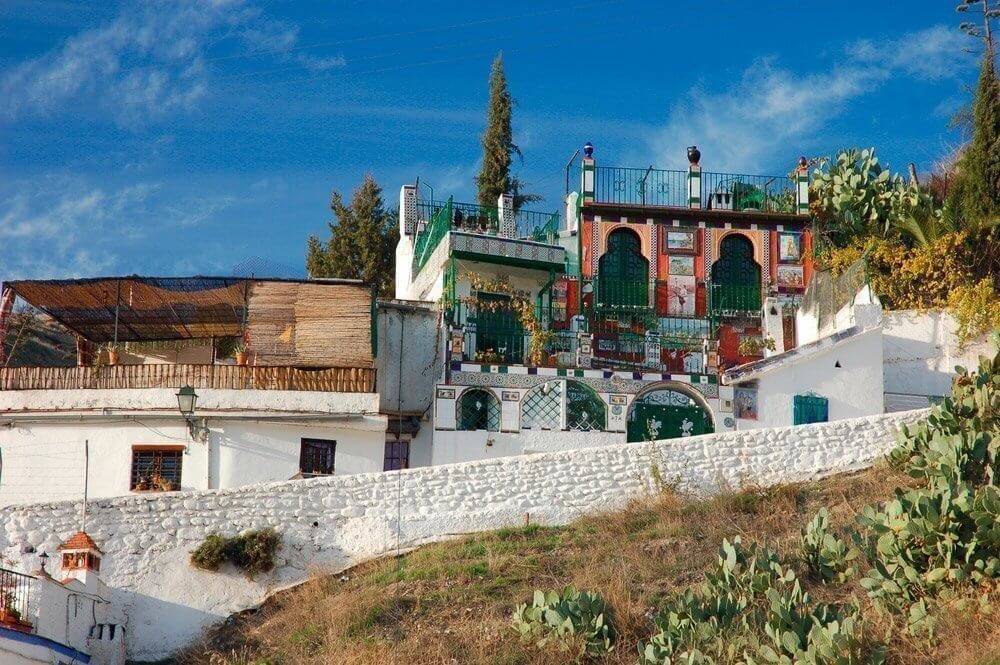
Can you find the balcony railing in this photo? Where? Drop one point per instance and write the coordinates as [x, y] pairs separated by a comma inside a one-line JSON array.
[[234, 377], [15, 594], [731, 191], [435, 229], [442, 216], [734, 299], [654, 187], [669, 188]]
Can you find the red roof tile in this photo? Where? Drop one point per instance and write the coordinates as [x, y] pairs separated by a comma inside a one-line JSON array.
[[80, 541]]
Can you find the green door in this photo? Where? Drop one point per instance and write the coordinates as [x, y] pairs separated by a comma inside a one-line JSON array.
[[650, 420], [810, 409], [736, 276], [499, 333], [623, 272]]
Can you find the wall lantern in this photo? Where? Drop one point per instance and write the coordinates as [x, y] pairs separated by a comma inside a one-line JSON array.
[[187, 399]]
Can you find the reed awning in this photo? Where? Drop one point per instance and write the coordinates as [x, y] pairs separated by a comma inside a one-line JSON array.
[[134, 309]]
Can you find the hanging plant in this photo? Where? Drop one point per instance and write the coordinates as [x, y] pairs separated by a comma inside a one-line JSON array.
[[519, 304]]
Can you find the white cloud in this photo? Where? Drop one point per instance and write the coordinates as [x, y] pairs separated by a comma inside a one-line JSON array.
[[61, 226], [752, 124], [196, 211], [931, 54], [147, 63]]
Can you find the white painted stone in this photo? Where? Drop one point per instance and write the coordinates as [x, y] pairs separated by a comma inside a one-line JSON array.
[[168, 602]]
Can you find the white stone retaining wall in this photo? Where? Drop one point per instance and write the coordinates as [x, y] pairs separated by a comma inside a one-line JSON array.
[[336, 522]]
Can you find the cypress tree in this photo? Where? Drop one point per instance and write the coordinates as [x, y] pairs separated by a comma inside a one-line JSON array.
[[362, 241], [976, 196], [498, 139]]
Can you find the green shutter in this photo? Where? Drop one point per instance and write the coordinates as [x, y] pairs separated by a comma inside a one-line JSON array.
[[810, 409]]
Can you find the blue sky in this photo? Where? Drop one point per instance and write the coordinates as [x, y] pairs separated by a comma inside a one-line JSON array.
[[189, 137]]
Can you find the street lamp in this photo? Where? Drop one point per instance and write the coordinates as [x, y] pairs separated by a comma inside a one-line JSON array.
[[187, 398]]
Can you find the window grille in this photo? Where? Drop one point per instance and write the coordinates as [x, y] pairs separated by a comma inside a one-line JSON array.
[[156, 469], [317, 457], [542, 407], [585, 410], [397, 456], [478, 409]]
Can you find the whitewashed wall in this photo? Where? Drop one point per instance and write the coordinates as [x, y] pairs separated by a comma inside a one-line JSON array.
[[45, 461], [854, 389], [339, 521], [921, 351]]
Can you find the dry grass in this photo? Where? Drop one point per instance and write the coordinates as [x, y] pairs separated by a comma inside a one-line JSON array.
[[451, 602]]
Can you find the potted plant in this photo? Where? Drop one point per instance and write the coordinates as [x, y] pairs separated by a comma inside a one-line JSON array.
[[8, 613], [114, 351], [143, 484], [240, 353], [161, 484]]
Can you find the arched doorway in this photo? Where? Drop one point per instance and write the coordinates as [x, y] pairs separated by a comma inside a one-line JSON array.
[[736, 275], [668, 411], [623, 272]]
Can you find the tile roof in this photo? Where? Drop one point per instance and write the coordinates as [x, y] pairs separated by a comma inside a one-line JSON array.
[[79, 541]]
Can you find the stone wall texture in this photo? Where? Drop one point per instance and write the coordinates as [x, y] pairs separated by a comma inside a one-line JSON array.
[[331, 523]]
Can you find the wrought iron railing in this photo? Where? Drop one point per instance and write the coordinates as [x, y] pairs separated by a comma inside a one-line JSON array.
[[660, 297], [537, 226], [734, 299], [719, 191], [731, 191], [430, 236], [649, 186], [15, 595], [475, 218], [496, 346]]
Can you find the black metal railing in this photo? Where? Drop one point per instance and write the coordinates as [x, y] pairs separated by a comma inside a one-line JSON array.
[[755, 193], [670, 188], [15, 593]]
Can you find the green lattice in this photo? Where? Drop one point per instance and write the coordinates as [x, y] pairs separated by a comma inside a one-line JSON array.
[[585, 410], [542, 407], [478, 409]]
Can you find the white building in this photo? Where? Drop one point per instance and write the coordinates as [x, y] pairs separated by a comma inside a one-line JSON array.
[[171, 411], [59, 621]]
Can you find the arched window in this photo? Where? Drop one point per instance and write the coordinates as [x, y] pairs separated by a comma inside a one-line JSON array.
[[585, 410], [542, 407], [478, 409], [623, 272], [736, 275]]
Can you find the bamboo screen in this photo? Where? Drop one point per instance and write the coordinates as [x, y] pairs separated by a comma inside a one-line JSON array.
[[310, 324]]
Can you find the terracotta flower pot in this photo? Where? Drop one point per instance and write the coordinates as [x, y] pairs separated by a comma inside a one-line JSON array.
[[241, 359], [113, 357]]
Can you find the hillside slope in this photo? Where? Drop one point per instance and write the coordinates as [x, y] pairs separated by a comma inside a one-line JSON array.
[[44, 343], [451, 602]]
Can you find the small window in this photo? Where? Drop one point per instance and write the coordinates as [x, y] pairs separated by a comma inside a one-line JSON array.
[[156, 469], [317, 457], [397, 455], [478, 409], [810, 409]]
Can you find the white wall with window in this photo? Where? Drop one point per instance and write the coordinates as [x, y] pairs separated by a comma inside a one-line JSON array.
[[42, 455], [846, 374]]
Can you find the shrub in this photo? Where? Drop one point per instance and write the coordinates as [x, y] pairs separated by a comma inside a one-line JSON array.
[[211, 553], [825, 555], [252, 552], [941, 540], [572, 621], [750, 594]]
